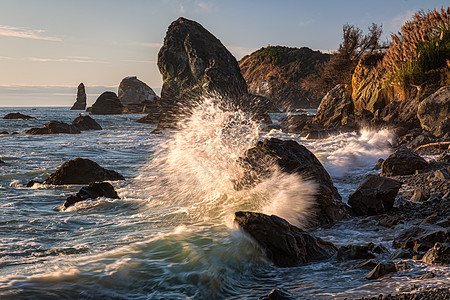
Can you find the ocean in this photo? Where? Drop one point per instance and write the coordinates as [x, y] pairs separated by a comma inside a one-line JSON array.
[[171, 235]]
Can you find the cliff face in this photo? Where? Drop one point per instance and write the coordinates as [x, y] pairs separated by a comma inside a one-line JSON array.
[[284, 75]]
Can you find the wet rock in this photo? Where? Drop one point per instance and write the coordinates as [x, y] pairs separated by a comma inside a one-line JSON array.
[[389, 221], [54, 127], [374, 195], [156, 131], [403, 162], [434, 111], [93, 191], [439, 254], [262, 117], [290, 157], [419, 195], [1, 162], [81, 171], [401, 253], [384, 268], [107, 104], [80, 102], [18, 116], [284, 244], [33, 182], [336, 109], [4, 132], [316, 131], [427, 275], [444, 223], [378, 164], [354, 252], [277, 295], [270, 127], [295, 123], [444, 157], [441, 174], [86, 123], [421, 238]]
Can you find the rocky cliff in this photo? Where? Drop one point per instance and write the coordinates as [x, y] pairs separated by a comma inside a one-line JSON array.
[[284, 75], [80, 102]]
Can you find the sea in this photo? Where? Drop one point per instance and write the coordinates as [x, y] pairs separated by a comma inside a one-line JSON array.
[[171, 234]]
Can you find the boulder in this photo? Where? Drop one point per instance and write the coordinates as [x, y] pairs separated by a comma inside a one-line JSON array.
[[336, 109], [438, 255], [193, 62], [81, 171], [295, 123], [31, 183], [375, 195], [4, 132], [156, 131], [54, 127], [355, 252], [18, 116], [291, 157], [80, 102], [403, 162], [135, 95], [384, 268], [107, 104], [378, 164], [92, 191], [284, 244], [86, 123], [434, 112], [421, 238]]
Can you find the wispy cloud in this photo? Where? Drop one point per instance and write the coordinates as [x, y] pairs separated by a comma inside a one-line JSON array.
[[26, 33], [73, 59], [205, 6]]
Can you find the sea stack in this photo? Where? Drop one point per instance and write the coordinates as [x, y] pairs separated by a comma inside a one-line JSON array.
[[136, 96], [107, 104], [80, 103]]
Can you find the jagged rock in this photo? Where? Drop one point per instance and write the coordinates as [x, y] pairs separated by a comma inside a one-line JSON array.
[[54, 127], [434, 112], [419, 195], [135, 95], [107, 104], [81, 171], [284, 244], [384, 268], [295, 123], [439, 254], [80, 102], [193, 62], [86, 123], [378, 164], [262, 117], [277, 295], [355, 252], [421, 238], [33, 182], [336, 109], [18, 116], [403, 162], [402, 253], [374, 195], [92, 191], [389, 221], [291, 157]]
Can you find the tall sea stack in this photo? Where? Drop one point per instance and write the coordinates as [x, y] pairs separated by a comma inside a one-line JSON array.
[[80, 103]]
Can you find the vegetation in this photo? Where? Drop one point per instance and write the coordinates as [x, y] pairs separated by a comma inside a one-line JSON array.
[[420, 52]]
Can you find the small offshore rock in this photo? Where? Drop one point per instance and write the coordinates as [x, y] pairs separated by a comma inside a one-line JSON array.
[[107, 104], [18, 116], [54, 127], [156, 131], [80, 102], [81, 171], [403, 162], [284, 244], [262, 117], [438, 255], [1, 162], [354, 252], [295, 123], [277, 295], [382, 269], [86, 123], [31, 183], [92, 191], [4, 132]]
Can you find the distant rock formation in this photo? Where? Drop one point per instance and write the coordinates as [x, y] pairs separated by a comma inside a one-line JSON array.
[[86, 123], [107, 104], [18, 116], [282, 74], [80, 102], [193, 62], [136, 96]]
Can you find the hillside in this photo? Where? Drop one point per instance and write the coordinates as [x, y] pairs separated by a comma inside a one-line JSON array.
[[284, 75]]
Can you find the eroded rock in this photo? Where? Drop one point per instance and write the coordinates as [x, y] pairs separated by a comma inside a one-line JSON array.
[[54, 127], [403, 162]]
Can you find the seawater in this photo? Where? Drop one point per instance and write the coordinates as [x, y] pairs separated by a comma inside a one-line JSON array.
[[171, 235]]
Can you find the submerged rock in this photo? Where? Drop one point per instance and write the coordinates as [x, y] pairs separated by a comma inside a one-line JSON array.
[[92, 191], [156, 131], [81, 171], [54, 127], [80, 102], [439, 254], [403, 162], [86, 123], [284, 244], [374, 195], [18, 116], [291, 157], [107, 104], [434, 112]]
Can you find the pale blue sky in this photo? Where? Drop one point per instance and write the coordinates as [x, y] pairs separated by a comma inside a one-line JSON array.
[[49, 46]]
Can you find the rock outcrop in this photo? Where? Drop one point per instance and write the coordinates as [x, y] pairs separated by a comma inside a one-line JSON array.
[[336, 109], [438, 255], [81, 171], [403, 162], [421, 238], [374, 195], [80, 102], [107, 104], [93, 191], [54, 127], [290, 157], [18, 116], [86, 123], [284, 244], [136, 96], [434, 112]]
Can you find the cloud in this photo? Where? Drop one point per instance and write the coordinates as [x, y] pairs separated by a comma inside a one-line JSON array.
[[181, 9], [396, 23], [67, 59], [205, 6], [35, 34]]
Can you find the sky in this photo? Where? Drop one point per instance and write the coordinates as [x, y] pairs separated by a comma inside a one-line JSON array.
[[47, 47]]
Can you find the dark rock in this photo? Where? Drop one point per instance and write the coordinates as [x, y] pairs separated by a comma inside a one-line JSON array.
[[441, 174], [444, 157], [92, 191], [1, 162], [277, 295], [156, 131], [434, 112], [378, 164], [439, 254], [368, 264], [384, 268], [262, 117], [427, 275], [18, 116], [4, 132], [268, 128], [444, 223], [403, 162], [136, 96], [295, 123], [291, 157], [316, 131], [421, 238], [152, 118], [354, 252], [86, 123], [32, 182], [81, 171], [284, 244], [401, 253], [107, 104], [54, 127], [374, 195], [389, 221], [80, 102], [336, 109]]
